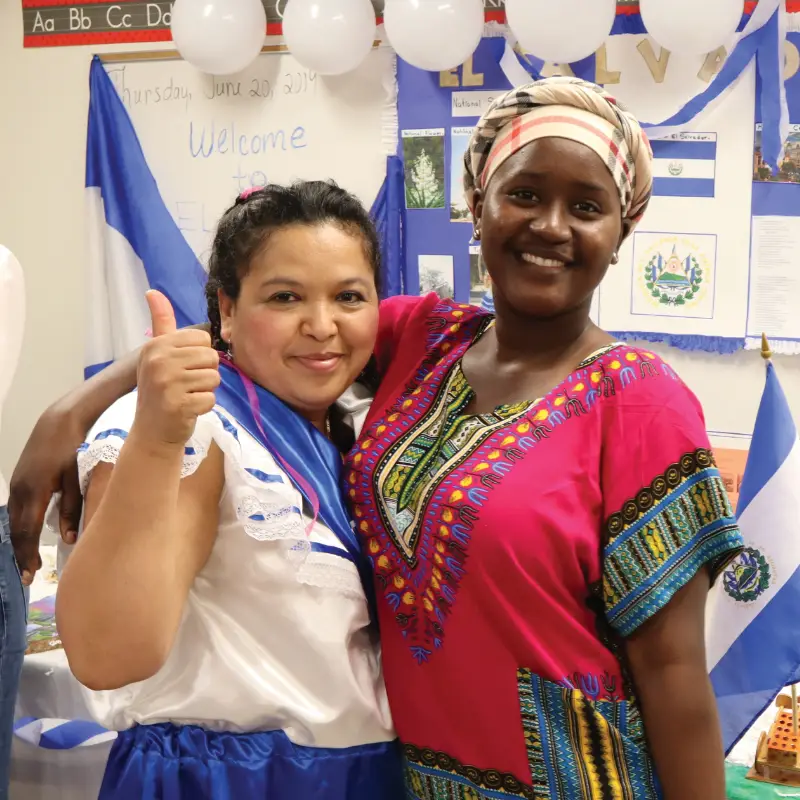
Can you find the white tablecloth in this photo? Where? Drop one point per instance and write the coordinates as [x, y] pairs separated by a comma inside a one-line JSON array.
[[49, 691]]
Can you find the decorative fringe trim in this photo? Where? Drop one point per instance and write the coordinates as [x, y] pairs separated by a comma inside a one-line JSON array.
[[708, 344], [781, 347]]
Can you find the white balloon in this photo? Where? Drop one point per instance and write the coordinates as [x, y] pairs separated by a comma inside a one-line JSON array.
[[561, 31], [434, 34], [330, 37], [689, 27], [220, 37]]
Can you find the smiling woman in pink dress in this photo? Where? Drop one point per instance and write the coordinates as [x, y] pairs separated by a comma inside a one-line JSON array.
[[540, 502]]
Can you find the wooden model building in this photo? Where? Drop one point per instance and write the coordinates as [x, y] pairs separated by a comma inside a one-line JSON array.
[[777, 754]]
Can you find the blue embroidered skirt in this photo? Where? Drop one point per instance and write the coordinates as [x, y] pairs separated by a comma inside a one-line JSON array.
[[169, 762]]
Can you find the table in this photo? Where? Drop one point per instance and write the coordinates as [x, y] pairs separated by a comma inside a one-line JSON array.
[[48, 690]]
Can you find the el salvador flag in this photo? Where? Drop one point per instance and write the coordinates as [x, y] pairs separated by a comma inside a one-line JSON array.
[[684, 165], [752, 631], [134, 244]]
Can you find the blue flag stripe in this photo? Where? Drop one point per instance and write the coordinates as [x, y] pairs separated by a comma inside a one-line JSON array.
[[683, 150], [774, 436], [133, 205], [683, 187], [65, 736], [746, 683]]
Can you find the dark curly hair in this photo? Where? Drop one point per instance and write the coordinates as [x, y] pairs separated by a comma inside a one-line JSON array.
[[245, 227]]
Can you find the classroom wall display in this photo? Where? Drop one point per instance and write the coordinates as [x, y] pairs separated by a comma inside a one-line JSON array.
[[683, 276], [774, 286]]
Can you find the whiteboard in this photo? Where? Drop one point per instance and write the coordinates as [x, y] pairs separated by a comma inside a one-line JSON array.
[[206, 139]]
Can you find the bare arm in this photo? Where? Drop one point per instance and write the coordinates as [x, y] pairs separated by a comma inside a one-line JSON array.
[[121, 597], [47, 463], [122, 594], [668, 664]]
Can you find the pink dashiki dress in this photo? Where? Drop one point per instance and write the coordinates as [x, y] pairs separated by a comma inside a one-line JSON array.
[[514, 551]]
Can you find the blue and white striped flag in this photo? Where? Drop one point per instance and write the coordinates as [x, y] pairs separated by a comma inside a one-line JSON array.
[[61, 734], [134, 244], [752, 630], [684, 165]]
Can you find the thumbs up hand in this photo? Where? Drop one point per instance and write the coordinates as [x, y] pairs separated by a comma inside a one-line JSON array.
[[178, 372]]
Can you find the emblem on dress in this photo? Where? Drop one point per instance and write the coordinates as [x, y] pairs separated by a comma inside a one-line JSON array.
[[748, 576]]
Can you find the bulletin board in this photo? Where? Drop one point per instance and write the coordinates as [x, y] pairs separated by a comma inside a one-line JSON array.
[[686, 277]]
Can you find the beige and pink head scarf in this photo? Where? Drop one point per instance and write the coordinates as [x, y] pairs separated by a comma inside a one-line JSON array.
[[567, 108]]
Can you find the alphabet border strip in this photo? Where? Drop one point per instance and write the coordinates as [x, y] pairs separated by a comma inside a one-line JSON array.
[[61, 23]]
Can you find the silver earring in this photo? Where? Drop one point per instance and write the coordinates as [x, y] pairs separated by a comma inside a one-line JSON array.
[[476, 234], [615, 258]]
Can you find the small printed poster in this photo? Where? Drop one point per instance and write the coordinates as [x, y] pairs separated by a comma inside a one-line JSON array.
[[731, 464], [436, 275], [423, 164], [789, 171], [673, 275], [479, 281], [459, 139]]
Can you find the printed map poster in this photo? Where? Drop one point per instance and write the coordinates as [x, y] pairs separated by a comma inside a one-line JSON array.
[[673, 275]]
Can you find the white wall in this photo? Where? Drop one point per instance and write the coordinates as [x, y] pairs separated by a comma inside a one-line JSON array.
[[43, 106], [44, 95]]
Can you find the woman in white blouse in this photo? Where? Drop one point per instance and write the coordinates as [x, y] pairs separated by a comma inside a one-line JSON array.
[[213, 604]]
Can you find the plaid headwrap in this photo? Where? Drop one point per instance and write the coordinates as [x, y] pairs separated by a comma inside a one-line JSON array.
[[567, 108]]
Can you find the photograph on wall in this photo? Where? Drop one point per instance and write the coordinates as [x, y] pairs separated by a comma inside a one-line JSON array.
[[789, 171], [436, 275], [674, 275], [459, 139], [479, 283], [423, 163]]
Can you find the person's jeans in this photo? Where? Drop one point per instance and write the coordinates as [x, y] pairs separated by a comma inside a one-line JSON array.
[[13, 642]]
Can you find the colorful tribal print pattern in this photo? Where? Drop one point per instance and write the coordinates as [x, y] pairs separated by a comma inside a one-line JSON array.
[[437, 776], [431, 469], [661, 537], [580, 749]]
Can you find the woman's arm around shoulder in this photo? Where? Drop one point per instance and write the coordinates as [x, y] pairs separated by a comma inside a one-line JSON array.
[[400, 316]]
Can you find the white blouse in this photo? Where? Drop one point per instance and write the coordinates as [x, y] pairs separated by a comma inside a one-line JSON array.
[[275, 634]]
